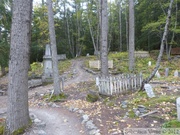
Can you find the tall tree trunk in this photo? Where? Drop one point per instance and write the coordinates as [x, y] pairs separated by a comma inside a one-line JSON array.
[[92, 35], [163, 42], [104, 35], [0, 35], [127, 26], [56, 83], [17, 108], [120, 26], [131, 35], [172, 39]]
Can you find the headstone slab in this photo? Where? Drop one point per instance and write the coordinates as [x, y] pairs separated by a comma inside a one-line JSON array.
[[61, 57], [149, 90], [48, 50], [178, 108], [149, 63], [97, 81], [47, 64], [158, 74], [176, 74], [166, 72]]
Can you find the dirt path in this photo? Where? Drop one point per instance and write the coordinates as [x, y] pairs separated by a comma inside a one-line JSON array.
[[80, 75], [59, 121]]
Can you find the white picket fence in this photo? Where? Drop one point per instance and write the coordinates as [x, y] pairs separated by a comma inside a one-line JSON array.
[[119, 84]]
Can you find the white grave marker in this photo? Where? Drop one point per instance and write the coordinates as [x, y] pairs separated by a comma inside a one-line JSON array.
[[97, 81], [149, 63], [176, 73], [178, 108], [149, 90], [158, 74]]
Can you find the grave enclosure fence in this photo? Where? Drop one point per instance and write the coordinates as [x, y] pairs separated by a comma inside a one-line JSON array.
[[119, 84]]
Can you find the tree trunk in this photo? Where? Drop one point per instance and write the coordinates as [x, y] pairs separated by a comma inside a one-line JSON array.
[[92, 35], [0, 35], [120, 26], [17, 108], [127, 28], [163, 41], [172, 39], [131, 35], [52, 35], [104, 34]]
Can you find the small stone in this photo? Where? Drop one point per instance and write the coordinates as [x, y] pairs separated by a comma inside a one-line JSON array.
[[90, 125], [40, 124], [71, 109], [65, 120], [37, 120], [124, 106], [50, 104], [137, 113], [94, 131], [141, 106], [40, 104], [85, 117], [39, 132], [80, 111], [75, 109], [55, 106], [32, 116]]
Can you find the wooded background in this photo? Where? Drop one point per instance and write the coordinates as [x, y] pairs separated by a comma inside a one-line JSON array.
[[77, 26]]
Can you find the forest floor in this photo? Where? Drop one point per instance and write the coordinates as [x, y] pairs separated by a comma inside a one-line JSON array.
[[111, 115]]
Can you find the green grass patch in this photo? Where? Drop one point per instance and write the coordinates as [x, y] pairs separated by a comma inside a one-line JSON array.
[[36, 70], [120, 64], [131, 114], [58, 98], [157, 100], [1, 129], [19, 131], [171, 124], [64, 66], [92, 98]]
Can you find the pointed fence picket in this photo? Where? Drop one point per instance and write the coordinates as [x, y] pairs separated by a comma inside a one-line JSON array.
[[119, 84]]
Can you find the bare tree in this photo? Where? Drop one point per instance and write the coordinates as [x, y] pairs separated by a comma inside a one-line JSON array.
[[104, 34], [52, 35], [131, 35], [17, 109], [163, 42]]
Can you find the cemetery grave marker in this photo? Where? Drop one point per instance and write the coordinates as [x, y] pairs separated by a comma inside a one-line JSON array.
[[149, 90]]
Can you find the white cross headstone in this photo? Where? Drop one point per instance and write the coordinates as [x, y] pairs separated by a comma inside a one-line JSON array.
[[149, 63], [149, 90], [176, 73], [178, 108], [158, 74]]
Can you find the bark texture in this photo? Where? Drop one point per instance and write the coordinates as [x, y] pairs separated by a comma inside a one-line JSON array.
[[53, 48], [104, 42], [17, 109], [131, 35]]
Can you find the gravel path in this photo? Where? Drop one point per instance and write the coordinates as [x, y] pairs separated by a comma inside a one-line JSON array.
[[56, 121]]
